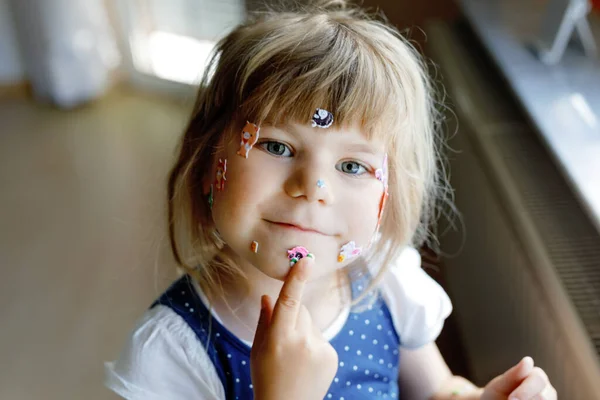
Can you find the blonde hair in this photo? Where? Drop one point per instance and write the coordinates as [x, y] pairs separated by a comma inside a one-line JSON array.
[[279, 67]]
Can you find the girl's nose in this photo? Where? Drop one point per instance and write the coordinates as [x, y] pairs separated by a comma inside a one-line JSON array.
[[309, 184]]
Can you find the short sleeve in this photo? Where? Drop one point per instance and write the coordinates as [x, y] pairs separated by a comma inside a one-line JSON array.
[[418, 304], [163, 359]]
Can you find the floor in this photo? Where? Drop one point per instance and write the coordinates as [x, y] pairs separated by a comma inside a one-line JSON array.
[[82, 249], [82, 245]]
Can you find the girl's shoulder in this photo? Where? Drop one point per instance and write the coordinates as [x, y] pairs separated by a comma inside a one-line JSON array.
[[417, 303], [162, 358]]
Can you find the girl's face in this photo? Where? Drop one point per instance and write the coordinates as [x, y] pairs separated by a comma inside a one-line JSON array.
[[299, 186]]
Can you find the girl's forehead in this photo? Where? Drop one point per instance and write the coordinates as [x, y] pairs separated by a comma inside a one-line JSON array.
[[351, 136]]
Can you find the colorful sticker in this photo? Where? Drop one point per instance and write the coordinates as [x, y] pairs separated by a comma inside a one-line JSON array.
[[249, 138], [320, 183], [297, 253], [322, 118], [381, 208], [382, 175], [254, 247], [221, 178], [348, 251]]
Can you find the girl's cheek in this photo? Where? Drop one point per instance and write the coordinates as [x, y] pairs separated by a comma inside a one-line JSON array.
[[362, 224]]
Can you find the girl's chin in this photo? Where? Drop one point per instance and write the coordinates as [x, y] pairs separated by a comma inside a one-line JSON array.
[[280, 271]]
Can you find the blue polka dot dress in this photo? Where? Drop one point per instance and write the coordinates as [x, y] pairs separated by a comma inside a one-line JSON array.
[[367, 347]]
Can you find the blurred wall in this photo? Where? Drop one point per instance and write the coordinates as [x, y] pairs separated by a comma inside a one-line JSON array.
[[406, 14], [401, 13], [12, 69]]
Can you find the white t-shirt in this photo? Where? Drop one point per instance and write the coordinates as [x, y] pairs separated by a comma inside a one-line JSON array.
[[163, 358]]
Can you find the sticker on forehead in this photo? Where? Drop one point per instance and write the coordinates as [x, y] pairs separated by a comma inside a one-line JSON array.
[[297, 253], [322, 118], [220, 176], [254, 247], [249, 138], [348, 251]]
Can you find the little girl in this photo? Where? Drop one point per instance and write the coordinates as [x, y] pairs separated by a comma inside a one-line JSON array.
[[305, 179]]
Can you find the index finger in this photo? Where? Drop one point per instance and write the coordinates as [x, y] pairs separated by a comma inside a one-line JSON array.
[[288, 303]]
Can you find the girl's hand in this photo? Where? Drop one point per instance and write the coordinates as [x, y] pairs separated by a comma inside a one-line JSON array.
[[521, 382], [290, 359]]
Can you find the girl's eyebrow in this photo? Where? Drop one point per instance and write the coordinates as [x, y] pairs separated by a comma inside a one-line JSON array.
[[361, 148], [357, 147], [288, 129]]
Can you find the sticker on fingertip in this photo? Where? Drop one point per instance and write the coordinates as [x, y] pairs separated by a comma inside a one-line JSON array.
[[297, 253]]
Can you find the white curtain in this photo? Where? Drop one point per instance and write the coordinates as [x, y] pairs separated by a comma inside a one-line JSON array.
[[68, 48]]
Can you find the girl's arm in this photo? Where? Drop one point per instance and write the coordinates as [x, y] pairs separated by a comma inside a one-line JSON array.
[[424, 375]]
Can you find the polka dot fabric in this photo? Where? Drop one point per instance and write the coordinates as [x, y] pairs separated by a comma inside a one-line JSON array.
[[367, 348]]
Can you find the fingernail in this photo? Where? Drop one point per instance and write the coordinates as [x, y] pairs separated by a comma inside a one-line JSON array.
[[305, 266], [528, 361]]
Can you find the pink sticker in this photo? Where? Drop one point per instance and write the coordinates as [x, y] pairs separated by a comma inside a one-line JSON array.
[[382, 175], [297, 253]]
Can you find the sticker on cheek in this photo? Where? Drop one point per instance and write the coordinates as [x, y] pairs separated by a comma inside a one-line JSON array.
[[348, 251], [249, 139], [381, 208], [220, 176], [254, 247], [297, 253], [322, 118], [382, 175]]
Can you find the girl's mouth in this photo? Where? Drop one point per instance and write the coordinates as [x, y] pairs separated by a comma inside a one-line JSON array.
[[296, 227]]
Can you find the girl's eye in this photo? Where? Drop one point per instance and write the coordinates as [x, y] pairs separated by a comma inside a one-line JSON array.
[[277, 149], [351, 168]]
